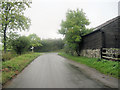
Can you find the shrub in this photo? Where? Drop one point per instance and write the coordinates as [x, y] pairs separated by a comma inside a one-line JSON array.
[[20, 44]]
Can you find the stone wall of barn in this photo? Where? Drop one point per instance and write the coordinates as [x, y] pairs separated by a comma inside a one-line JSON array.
[[91, 53], [106, 53]]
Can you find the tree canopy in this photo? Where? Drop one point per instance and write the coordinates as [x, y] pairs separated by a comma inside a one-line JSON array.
[[35, 41], [73, 28], [12, 16]]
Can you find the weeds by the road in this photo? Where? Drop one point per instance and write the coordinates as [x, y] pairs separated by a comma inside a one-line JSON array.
[[107, 67], [14, 66], [8, 55]]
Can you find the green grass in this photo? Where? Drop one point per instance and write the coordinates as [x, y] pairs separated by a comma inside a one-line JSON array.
[[14, 66], [107, 67], [8, 55]]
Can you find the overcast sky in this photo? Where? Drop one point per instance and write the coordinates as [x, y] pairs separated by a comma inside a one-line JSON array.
[[46, 15]]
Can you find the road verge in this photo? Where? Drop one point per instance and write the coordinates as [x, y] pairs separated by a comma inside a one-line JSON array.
[[14, 66], [91, 71]]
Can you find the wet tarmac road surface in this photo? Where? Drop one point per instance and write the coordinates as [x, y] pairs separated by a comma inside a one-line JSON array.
[[52, 71]]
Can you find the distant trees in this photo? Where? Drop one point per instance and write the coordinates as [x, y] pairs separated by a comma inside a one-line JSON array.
[[50, 45], [73, 28], [21, 44], [12, 16], [35, 41]]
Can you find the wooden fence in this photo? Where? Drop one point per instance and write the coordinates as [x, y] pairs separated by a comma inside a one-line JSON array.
[[110, 53]]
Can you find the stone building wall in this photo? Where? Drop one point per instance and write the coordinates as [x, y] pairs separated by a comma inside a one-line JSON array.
[[107, 53], [91, 53]]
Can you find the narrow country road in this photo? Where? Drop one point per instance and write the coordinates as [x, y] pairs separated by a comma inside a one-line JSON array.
[[52, 71]]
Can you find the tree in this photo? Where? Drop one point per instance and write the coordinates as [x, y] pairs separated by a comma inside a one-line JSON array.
[[20, 44], [73, 28], [35, 41], [50, 45], [9, 38], [13, 18]]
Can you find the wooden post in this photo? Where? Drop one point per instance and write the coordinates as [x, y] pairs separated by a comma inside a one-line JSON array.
[[102, 43], [101, 52], [103, 39]]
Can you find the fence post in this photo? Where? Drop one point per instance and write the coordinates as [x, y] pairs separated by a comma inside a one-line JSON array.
[[101, 52]]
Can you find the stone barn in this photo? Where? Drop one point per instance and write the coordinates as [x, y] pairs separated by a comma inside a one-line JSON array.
[[104, 41]]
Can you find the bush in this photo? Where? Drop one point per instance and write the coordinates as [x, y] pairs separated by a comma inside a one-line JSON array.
[[20, 44]]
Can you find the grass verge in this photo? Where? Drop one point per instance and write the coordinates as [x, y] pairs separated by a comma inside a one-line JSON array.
[[14, 66], [107, 67]]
